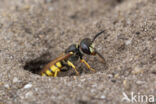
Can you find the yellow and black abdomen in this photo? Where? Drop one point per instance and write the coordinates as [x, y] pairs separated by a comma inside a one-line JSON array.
[[55, 66], [52, 69]]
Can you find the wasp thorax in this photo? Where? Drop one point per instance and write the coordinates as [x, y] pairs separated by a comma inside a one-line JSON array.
[[72, 48]]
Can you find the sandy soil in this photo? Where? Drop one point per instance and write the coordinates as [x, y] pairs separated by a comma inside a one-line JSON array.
[[32, 33]]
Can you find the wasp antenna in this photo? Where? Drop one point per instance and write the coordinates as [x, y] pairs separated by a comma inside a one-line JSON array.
[[97, 35]]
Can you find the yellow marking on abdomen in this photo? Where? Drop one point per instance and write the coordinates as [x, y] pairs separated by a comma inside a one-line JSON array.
[[59, 65], [54, 68], [49, 73], [43, 74]]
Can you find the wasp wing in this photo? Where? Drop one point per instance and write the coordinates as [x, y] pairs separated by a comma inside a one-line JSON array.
[[61, 57]]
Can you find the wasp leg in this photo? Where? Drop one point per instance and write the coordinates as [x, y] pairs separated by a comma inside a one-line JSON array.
[[43, 74], [73, 66], [56, 72], [88, 66]]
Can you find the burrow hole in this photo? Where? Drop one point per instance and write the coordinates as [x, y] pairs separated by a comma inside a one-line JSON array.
[[37, 64]]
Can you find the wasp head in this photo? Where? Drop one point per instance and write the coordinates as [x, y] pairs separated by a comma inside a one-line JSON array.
[[87, 47]]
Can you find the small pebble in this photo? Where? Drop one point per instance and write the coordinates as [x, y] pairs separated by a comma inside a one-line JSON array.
[[125, 83], [29, 85], [50, 8], [137, 32], [137, 70], [92, 90], [36, 89], [7, 86], [110, 75], [26, 7], [113, 80], [82, 80], [15, 79], [116, 75], [140, 82], [94, 85], [103, 97], [128, 42], [29, 94]]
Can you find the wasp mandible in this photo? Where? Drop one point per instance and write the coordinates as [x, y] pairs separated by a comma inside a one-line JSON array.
[[73, 53]]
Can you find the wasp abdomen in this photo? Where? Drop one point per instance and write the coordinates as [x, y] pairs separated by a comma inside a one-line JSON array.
[[51, 70]]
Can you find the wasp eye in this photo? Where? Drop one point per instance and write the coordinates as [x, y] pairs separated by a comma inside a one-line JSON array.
[[85, 45]]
